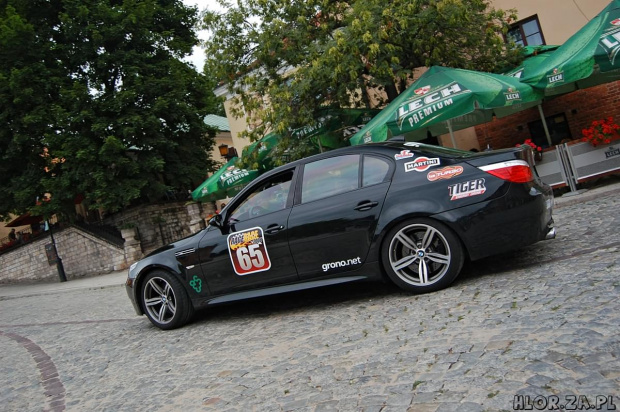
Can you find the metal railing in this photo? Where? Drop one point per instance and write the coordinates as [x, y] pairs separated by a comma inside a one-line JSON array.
[[571, 164], [105, 232], [25, 236]]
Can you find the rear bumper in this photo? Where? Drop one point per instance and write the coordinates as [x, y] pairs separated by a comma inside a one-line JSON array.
[[522, 216]]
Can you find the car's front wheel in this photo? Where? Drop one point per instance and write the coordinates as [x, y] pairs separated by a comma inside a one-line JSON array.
[[164, 300], [422, 255]]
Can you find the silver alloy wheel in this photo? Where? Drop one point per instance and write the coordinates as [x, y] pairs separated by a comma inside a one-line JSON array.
[[419, 254], [159, 300]]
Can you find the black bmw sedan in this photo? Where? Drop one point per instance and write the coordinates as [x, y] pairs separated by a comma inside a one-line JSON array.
[[406, 212]]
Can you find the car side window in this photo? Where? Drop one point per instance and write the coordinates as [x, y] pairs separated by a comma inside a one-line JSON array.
[[270, 196], [329, 177], [375, 170]]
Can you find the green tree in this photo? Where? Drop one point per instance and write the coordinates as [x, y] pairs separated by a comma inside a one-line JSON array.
[[286, 60], [95, 101]]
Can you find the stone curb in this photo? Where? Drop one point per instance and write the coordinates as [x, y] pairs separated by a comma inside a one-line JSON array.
[[596, 193]]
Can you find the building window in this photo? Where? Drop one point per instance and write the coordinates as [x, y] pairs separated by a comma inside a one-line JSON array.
[[558, 127], [527, 32]]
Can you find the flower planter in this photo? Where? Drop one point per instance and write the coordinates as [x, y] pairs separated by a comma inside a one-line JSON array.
[[589, 161]]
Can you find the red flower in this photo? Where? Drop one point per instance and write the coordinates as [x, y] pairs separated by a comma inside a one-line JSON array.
[[602, 131], [531, 144]]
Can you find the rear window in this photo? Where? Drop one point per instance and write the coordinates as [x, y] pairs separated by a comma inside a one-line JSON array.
[[329, 177], [375, 170]]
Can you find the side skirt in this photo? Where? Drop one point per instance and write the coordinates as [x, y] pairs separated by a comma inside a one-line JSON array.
[[280, 289], [369, 272]]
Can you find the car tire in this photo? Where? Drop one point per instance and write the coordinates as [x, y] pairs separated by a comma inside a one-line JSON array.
[[164, 300], [422, 255]]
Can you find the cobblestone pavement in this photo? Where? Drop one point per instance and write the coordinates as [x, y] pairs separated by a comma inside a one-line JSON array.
[[542, 322]]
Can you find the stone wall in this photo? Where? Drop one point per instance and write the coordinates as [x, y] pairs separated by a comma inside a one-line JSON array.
[[162, 223], [85, 254], [82, 254]]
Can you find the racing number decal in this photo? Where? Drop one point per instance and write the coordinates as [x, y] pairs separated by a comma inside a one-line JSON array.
[[248, 251]]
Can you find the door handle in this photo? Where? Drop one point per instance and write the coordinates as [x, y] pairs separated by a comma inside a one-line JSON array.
[[365, 205], [273, 229]]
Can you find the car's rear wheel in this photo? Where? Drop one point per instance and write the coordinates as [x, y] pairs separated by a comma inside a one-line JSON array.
[[165, 301], [422, 255]]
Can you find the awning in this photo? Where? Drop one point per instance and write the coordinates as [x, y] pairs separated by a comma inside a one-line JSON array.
[[24, 220]]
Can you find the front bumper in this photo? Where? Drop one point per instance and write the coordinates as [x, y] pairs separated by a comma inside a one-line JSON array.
[[129, 288]]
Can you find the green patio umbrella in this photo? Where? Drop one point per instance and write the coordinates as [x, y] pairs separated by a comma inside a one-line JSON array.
[[234, 179], [534, 57], [331, 131], [338, 125], [589, 57], [260, 150], [226, 182], [443, 100]]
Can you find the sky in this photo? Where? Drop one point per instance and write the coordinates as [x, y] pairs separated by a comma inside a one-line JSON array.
[[198, 57]]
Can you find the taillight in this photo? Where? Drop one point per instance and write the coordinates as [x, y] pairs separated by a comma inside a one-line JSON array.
[[516, 171]]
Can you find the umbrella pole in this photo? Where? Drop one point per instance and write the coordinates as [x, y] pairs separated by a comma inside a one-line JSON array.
[[544, 122], [451, 134]]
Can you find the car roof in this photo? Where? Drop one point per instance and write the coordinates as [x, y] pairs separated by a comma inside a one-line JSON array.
[[388, 148]]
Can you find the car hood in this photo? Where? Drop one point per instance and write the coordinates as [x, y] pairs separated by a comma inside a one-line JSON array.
[[189, 241]]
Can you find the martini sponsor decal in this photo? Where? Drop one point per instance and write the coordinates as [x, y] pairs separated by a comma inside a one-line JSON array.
[[421, 164], [404, 154], [512, 95], [248, 251], [467, 189], [429, 102], [610, 41], [556, 77], [233, 174], [447, 172]]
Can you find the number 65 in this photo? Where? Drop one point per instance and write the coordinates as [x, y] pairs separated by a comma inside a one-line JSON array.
[[250, 256]]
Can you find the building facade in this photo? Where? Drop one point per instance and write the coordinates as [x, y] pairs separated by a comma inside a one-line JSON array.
[[552, 22], [549, 22]]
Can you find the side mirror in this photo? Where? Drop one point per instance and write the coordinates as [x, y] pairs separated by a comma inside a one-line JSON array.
[[216, 221]]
